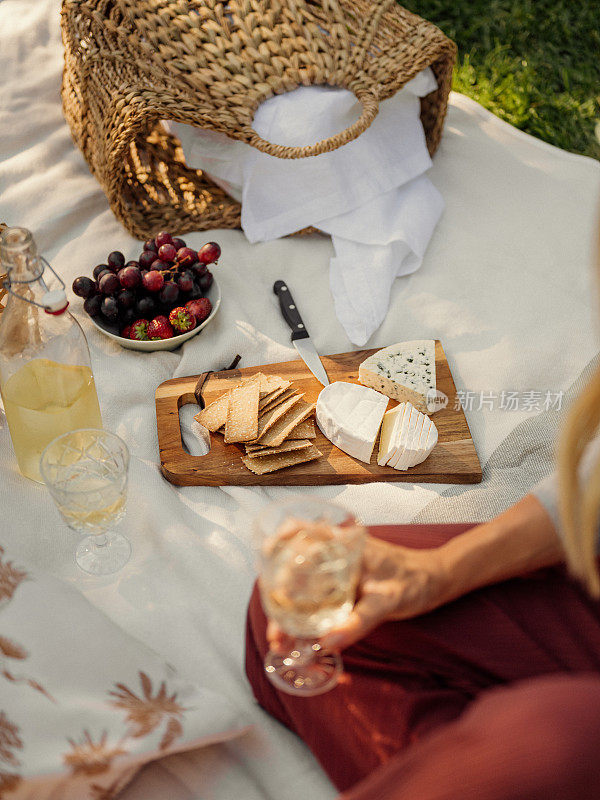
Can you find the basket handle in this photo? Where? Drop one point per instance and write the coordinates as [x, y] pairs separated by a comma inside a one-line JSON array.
[[370, 105]]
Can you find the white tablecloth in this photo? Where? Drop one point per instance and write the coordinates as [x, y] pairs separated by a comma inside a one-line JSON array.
[[506, 285]]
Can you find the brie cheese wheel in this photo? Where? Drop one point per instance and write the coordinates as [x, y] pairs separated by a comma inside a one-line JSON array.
[[350, 416], [407, 437], [403, 371]]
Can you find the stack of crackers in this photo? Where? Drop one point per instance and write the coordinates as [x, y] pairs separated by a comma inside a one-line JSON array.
[[269, 417]]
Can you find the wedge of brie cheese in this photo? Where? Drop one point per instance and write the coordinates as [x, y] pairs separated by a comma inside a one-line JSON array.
[[391, 422], [350, 416], [407, 437], [403, 371]]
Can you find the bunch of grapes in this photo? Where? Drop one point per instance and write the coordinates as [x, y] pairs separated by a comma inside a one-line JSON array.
[[167, 274]]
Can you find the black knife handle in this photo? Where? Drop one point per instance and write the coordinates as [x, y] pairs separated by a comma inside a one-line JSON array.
[[290, 311]]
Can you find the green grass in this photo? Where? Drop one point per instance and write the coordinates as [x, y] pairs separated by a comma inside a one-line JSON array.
[[534, 63]]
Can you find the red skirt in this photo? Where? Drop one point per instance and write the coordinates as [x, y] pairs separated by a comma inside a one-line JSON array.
[[410, 682]]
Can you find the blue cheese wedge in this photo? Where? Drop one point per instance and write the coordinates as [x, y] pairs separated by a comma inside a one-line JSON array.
[[350, 416], [404, 371], [407, 437]]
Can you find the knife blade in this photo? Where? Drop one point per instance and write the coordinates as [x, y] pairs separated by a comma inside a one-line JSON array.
[[300, 336]]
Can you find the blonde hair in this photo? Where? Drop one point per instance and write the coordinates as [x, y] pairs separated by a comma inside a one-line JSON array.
[[580, 501]]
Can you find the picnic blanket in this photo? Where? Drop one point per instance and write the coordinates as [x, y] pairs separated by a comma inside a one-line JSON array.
[[506, 284]]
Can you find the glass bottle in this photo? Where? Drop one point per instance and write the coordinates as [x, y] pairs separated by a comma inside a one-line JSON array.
[[46, 378]]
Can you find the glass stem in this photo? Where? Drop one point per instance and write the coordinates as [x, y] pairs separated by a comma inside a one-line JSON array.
[[101, 540]]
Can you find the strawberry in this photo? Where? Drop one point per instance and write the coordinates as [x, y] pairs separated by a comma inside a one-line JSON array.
[[200, 308], [139, 330], [160, 328], [126, 332], [182, 319]]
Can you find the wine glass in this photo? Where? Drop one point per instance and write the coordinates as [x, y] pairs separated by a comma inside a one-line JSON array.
[[86, 473], [309, 558]]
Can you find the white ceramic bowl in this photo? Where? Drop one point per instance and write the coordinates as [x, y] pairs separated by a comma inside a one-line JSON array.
[[214, 295]]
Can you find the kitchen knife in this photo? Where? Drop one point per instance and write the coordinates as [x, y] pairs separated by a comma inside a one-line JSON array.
[[300, 336]]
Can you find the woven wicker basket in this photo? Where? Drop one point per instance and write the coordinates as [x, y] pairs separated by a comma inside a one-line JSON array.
[[131, 63]]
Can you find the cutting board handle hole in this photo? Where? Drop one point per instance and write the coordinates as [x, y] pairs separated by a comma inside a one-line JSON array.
[[195, 438]]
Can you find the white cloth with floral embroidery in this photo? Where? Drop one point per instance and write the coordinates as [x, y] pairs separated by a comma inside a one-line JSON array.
[[83, 705]]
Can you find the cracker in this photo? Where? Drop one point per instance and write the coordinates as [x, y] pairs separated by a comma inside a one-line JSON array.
[[252, 447], [274, 395], [304, 430], [262, 381], [242, 414], [260, 466], [266, 421], [270, 383], [214, 416], [280, 431], [291, 392], [287, 446]]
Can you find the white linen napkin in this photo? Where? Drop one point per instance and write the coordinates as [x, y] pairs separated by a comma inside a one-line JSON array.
[[370, 195]]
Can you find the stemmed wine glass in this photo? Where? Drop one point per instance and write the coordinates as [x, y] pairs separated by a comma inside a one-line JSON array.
[[309, 558], [86, 473]]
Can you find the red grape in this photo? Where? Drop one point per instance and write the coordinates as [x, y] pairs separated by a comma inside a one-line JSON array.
[[185, 281], [126, 298], [128, 316], [178, 243], [153, 281], [116, 260], [92, 305], [110, 309], [97, 270], [150, 245], [109, 284], [146, 258], [206, 281], [130, 277], [84, 287], [102, 274], [196, 290], [167, 252], [209, 253], [200, 269], [146, 307], [186, 256], [169, 293], [163, 238], [159, 265]]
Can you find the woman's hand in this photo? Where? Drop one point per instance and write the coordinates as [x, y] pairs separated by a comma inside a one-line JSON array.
[[398, 582], [395, 583]]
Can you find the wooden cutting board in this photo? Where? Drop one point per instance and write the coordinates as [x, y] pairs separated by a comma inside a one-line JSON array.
[[454, 459]]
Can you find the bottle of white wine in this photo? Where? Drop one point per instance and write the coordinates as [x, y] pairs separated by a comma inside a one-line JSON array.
[[46, 378]]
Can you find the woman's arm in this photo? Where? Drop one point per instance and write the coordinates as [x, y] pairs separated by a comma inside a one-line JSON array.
[[518, 541], [399, 582]]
